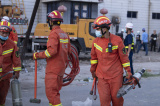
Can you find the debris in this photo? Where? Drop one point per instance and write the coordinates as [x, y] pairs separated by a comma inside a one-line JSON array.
[[88, 102]]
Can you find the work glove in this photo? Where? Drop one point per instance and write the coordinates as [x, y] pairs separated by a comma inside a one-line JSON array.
[[35, 56], [94, 75], [128, 75]]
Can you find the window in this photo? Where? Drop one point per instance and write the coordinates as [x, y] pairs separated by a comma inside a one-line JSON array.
[[155, 15], [132, 14], [81, 10], [91, 30], [52, 6]]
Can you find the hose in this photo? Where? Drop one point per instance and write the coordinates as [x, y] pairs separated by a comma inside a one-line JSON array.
[[73, 63]]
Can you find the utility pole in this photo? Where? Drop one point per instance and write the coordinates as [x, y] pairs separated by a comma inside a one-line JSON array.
[[29, 29]]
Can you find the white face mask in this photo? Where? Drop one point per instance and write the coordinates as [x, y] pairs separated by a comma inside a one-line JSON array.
[[98, 33]]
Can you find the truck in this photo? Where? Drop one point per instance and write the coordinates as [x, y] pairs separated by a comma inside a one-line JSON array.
[[81, 34]]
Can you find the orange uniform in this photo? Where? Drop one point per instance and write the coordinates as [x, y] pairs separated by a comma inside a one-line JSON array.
[[109, 68], [9, 56], [56, 54]]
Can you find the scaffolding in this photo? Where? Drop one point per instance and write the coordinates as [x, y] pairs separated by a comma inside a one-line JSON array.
[[20, 4]]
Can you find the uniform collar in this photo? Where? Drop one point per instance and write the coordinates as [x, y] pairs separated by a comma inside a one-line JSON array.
[[109, 35], [4, 43], [56, 27]]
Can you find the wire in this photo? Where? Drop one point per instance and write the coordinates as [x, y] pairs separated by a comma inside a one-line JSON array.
[[73, 63]]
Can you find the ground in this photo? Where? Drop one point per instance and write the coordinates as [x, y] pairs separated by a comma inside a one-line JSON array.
[[79, 89]]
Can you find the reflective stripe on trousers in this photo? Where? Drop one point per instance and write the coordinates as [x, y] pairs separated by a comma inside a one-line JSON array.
[[55, 105]]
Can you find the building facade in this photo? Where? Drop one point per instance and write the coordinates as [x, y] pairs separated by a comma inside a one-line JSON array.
[[142, 13]]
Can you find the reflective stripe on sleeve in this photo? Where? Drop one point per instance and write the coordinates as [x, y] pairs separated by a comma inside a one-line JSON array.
[[35, 55], [126, 64], [97, 47], [127, 47], [17, 68], [15, 42], [47, 53], [94, 61], [7, 51], [0, 69]]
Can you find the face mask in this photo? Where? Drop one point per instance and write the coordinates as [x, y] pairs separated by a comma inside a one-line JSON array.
[[98, 33], [3, 38]]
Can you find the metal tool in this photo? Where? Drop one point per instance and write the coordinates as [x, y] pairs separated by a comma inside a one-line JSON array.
[[16, 93], [35, 100], [131, 85], [93, 89]]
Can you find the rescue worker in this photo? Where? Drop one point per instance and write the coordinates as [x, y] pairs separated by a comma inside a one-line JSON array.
[[13, 34], [138, 39], [144, 42], [9, 56], [56, 55], [129, 43], [108, 58], [154, 40]]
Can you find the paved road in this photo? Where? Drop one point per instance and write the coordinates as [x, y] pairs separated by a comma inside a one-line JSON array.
[[148, 95]]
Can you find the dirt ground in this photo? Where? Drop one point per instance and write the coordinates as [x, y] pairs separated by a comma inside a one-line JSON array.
[[151, 63]]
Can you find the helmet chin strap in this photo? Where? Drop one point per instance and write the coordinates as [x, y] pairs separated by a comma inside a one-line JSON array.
[[102, 32], [50, 25]]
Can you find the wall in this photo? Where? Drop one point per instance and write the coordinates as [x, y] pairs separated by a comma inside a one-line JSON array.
[[154, 23], [120, 8], [40, 15], [74, 0]]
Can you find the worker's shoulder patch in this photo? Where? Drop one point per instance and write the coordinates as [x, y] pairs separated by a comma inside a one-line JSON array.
[[14, 31], [124, 51], [17, 53]]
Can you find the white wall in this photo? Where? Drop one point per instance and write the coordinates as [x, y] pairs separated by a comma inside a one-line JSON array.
[[28, 5], [40, 15], [154, 23], [73, 0]]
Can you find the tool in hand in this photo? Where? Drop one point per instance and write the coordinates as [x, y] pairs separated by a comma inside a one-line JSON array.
[[93, 89], [35, 100], [95, 86], [130, 84]]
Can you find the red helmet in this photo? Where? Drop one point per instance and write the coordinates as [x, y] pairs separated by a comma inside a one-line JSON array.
[[102, 22], [5, 23], [55, 16], [5, 26]]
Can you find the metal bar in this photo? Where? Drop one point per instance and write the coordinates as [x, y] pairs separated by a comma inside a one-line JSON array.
[[29, 28]]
